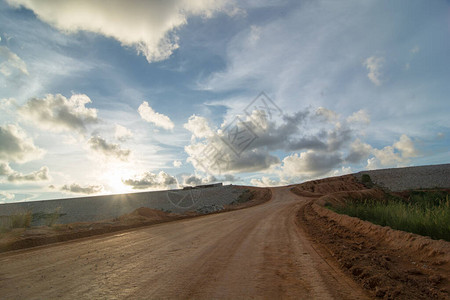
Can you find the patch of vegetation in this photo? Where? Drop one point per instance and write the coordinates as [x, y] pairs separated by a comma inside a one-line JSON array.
[[246, 195], [50, 219], [21, 220], [367, 181], [423, 212]]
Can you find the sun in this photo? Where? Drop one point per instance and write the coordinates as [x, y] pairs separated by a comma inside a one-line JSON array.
[[113, 180]]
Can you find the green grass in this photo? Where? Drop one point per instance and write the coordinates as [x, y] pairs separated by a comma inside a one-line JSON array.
[[424, 212]]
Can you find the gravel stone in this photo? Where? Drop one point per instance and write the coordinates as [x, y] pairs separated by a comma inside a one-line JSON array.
[[400, 179]]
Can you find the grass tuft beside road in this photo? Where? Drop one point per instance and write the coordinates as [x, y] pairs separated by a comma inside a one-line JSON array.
[[425, 212]]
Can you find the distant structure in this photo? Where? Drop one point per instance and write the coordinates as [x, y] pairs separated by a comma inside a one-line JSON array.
[[203, 186]]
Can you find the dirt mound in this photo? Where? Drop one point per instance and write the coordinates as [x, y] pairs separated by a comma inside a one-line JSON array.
[[256, 196], [391, 264], [329, 185], [336, 190]]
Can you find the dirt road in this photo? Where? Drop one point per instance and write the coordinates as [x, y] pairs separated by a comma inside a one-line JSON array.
[[257, 252]]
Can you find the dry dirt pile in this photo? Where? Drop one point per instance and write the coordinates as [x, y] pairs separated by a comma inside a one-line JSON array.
[[389, 263]]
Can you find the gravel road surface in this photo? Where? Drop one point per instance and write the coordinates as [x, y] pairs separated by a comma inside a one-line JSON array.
[[258, 252]]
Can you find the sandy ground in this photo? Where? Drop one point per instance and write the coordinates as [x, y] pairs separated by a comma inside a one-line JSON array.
[[258, 252]]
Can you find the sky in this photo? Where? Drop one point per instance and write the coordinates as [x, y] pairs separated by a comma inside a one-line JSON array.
[[102, 97]]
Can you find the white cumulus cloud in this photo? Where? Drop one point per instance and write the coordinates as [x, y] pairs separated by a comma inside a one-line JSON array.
[[149, 180], [194, 180], [106, 149], [148, 26], [395, 155], [58, 113], [199, 127], [361, 116], [13, 176], [160, 120], [16, 146], [406, 146], [122, 133], [265, 181], [75, 188]]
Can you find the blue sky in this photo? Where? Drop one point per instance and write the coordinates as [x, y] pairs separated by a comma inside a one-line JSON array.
[[132, 96]]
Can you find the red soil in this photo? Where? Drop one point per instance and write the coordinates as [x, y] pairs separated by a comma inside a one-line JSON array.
[[389, 263]]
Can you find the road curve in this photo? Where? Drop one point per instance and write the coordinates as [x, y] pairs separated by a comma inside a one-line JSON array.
[[257, 252]]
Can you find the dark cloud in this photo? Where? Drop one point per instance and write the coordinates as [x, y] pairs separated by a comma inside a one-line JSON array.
[[339, 137], [252, 161], [310, 164], [321, 137], [287, 136], [307, 142], [217, 158], [300, 131], [303, 131], [110, 150]]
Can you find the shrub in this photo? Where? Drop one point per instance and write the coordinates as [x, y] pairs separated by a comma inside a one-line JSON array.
[[21, 220], [246, 195], [366, 180]]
